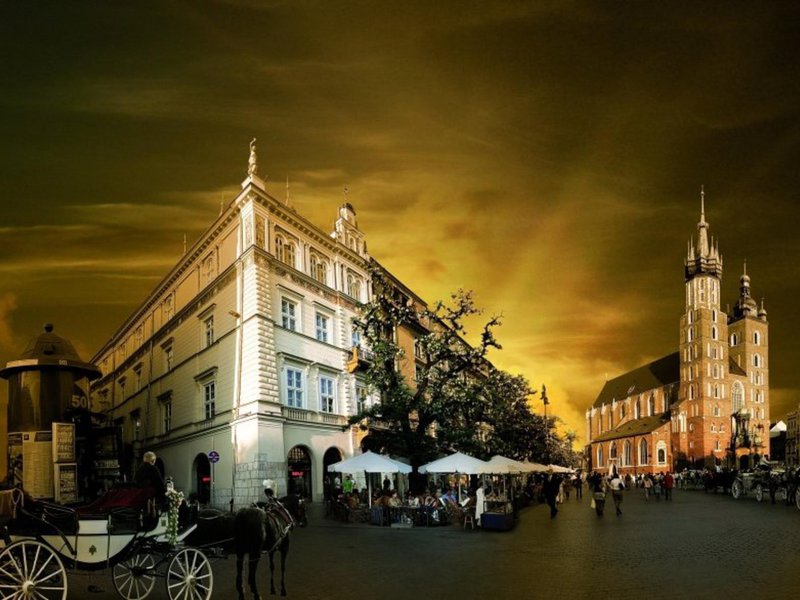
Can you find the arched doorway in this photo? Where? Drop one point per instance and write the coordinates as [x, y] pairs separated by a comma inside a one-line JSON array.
[[298, 462], [332, 455], [201, 471]]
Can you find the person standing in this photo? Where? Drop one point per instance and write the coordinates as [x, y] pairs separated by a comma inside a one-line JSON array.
[[669, 483], [148, 476], [648, 487], [617, 485], [578, 482], [552, 485]]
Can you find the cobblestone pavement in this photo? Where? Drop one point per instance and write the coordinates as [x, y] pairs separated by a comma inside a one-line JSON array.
[[697, 546]]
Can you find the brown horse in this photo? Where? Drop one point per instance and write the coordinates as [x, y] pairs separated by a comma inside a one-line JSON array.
[[257, 530]]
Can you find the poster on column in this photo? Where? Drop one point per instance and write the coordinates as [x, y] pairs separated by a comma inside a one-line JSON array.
[[66, 482], [63, 442], [37, 463]]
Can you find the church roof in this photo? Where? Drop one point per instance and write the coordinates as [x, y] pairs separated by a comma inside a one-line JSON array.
[[636, 427], [658, 373]]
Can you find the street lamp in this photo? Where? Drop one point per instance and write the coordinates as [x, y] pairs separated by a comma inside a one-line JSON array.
[[545, 401]]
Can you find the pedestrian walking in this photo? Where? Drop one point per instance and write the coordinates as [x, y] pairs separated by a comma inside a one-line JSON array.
[[648, 487], [578, 482], [597, 486], [552, 485], [617, 485], [657, 487]]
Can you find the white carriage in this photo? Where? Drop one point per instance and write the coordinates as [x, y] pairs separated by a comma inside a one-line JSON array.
[[43, 540]]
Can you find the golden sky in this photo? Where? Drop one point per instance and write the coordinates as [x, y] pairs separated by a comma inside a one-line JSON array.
[[547, 155]]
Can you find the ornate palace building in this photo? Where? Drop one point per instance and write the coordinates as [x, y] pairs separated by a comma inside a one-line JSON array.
[[238, 367], [701, 404]]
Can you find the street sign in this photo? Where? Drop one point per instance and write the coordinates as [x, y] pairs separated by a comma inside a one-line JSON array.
[[213, 456]]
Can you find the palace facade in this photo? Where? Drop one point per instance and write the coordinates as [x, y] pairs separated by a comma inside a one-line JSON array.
[[243, 363], [701, 404]]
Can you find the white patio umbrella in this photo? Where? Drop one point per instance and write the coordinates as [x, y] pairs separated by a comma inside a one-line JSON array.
[[369, 462], [458, 463], [532, 467], [560, 469], [507, 465]]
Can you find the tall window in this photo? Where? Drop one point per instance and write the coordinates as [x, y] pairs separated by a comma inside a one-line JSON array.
[[354, 286], [209, 399], [322, 328], [651, 404], [285, 250], [166, 415], [612, 452], [734, 339], [294, 388], [209, 331], [661, 453], [756, 337], [637, 409], [599, 456], [137, 377], [326, 394], [168, 358], [319, 268], [627, 454], [361, 398], [355, 338], [288, 314], [643, 458]]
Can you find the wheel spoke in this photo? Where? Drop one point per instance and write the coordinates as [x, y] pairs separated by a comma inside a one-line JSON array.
[[42, 568]]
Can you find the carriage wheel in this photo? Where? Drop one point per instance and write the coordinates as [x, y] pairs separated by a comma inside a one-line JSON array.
[[736, 489], [134, 578], [797, 498], [759, 492], [31, 570], [189, 576]]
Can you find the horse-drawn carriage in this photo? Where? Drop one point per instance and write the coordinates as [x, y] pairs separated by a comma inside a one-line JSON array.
[[773, 481], [123, 531]]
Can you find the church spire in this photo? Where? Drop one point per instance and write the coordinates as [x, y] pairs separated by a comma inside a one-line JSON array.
[[703, 258]]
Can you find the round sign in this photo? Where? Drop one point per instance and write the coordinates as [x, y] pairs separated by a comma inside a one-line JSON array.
[[213, 456]]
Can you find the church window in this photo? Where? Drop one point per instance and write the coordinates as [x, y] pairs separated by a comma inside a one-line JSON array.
[[691, 334], [716, 410], [737, 396], [599, 456], [691, 317], [713, 332], [714, 315], [661, 453], [716, 445], [612, 452], [713, 428], [622, 411], [691, 392], [734, 339], [637, 409], [627, 454], [716, 371], [643, 458], [756, 360], [651, 405], [756, 337]]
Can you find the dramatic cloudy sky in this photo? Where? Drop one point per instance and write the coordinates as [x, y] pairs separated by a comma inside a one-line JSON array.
[[547, 155]]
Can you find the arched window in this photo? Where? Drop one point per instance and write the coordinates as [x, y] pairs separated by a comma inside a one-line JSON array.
[[637, 409], [691, 334], [284, 250], [354, 286], [734, 339], [651, 405], [714, 332], [627, 454], [319, 268], [737, 396], [622, 411], [643, 458], [612, 451], [661, 453], [691, 392], [599, 456], [714, 315], [757, 337], [716, 410], [756, 360]]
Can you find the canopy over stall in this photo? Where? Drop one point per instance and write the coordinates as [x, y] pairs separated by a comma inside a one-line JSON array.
[[457, 463], [369, 462]]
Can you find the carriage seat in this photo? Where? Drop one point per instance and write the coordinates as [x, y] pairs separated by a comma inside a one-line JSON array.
[[135, 499]]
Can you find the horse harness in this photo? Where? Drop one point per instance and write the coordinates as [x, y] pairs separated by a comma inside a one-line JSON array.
[[281, 520]]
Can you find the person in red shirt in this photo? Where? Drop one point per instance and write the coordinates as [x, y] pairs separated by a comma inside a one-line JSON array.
[[669, 483]]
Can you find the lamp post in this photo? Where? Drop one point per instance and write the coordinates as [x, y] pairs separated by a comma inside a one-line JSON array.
[[545, 402]]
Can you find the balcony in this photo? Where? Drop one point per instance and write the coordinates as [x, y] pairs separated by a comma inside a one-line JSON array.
[[310, 416], [360, 359]]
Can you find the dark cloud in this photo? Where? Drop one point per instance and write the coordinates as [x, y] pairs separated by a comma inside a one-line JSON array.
[[547, 155]]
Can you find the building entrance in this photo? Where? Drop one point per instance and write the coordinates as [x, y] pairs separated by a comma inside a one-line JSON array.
[[299, 471], [201, 469]]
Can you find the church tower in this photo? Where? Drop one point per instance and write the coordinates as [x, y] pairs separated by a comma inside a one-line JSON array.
[[749, 345], [703, 397]]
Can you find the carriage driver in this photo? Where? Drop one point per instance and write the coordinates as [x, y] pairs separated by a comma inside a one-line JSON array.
[[148, 475]]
